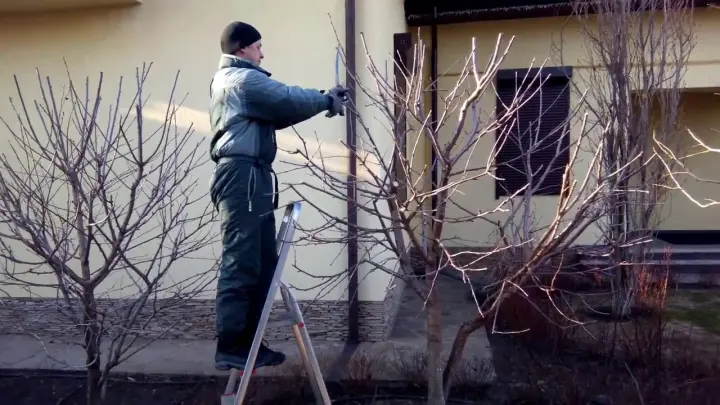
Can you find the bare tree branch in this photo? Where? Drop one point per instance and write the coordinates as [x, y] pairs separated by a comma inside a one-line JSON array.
[[98, 200], [391, 236], [639, 52]]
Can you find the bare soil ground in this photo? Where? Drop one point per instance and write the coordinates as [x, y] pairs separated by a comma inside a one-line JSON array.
[[29, 387], [667, 352], [645, 360]]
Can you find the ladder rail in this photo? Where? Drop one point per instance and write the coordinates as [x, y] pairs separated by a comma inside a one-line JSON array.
[[307, 353], [284, 239], [292, 307]]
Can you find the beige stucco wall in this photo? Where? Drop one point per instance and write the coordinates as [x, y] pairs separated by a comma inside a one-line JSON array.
[[700, 113], [532, 45], [554, 42], [376, 23], [300, 48]]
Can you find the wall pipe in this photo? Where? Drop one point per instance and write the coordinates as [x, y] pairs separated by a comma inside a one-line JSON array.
[[351, 138]]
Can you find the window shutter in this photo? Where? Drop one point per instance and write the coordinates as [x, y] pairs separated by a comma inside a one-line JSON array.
[[541, 120]]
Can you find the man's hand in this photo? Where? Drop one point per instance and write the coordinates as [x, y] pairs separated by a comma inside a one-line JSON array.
[[338, 97]]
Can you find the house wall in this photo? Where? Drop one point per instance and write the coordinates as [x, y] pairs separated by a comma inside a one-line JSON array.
[[300, 48], [700, 115], [532, 44], [540, 41]]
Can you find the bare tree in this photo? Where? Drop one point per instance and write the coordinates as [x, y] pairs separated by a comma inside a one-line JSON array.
[[394, 192], [96, 204], [638, 51]]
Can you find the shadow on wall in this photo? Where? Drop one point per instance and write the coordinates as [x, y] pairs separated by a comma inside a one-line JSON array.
[[332, 155]]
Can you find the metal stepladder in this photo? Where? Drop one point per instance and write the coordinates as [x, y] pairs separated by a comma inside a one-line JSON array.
[[293, 317]]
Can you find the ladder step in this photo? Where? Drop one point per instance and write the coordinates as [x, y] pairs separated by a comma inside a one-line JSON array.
[[283, 319]]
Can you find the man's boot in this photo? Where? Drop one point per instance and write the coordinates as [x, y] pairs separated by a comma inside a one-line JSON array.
[[265, 356], [269, 357], [231, 352], [234, 354]]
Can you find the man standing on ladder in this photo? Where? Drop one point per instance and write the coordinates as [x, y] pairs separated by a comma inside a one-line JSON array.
[[246, 108]]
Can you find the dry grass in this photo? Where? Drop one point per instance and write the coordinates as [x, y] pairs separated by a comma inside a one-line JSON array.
[[700, 308], [645, 360]]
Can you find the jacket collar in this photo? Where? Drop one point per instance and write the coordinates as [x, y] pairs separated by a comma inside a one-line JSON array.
[[227, 61]]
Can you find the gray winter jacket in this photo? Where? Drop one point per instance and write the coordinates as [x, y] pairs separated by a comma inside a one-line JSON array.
[[247, 106]]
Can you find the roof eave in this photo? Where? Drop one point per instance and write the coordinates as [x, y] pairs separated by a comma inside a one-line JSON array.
[[508, 13], [476, 15]]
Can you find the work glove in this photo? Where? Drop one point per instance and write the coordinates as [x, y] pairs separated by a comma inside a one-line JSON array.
[[337, 97]]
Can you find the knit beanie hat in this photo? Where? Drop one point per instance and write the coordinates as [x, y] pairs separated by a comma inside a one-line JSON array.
[[238, 35]]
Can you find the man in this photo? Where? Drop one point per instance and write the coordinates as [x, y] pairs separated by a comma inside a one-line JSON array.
[[247, 106]]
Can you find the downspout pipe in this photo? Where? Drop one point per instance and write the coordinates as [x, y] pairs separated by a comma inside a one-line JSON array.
[[351, 138]]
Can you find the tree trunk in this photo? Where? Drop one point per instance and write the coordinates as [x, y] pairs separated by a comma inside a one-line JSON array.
[[92, 349], [456, 351], [93, 396], [436, 395]]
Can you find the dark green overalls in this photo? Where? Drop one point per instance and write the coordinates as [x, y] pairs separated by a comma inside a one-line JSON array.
[[244, 195]]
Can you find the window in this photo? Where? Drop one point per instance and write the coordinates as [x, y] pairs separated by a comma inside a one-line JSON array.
[[536, 129]]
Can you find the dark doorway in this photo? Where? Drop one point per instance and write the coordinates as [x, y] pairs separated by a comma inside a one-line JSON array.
[[690, 237]]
